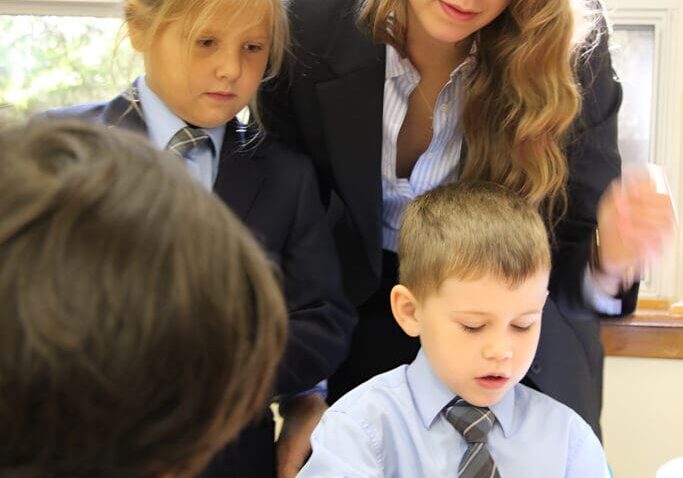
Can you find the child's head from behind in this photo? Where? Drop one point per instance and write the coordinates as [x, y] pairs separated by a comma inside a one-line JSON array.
[[140, 325], [474, 266], [206, 58]]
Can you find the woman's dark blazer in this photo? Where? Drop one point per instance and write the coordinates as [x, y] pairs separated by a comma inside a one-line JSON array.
[[274, 192], [329, 106]]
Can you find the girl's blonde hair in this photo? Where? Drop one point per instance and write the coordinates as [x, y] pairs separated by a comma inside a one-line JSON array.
[[150, 16], [522, 96]]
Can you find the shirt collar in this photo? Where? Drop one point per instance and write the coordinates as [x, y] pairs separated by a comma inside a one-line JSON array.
[[166, 123], [398, 66], [430, 395]]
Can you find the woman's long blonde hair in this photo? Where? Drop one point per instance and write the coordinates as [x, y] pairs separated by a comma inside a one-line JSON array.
[[522, 96]]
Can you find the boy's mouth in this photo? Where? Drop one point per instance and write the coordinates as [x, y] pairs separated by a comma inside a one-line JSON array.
[[492, 380]]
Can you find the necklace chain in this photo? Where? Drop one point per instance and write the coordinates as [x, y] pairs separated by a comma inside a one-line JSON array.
[[430, 109]]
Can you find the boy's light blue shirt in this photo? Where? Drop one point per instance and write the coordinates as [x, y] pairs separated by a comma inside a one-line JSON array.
[[162, 124], [392, 426]]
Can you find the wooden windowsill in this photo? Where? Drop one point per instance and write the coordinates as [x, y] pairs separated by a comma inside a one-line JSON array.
[[652, 332]]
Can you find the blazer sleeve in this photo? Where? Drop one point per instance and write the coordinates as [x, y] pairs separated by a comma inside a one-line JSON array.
[[594, 161], [321, 319]]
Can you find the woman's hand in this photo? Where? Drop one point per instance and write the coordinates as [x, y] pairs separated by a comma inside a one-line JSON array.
[[635, 222]]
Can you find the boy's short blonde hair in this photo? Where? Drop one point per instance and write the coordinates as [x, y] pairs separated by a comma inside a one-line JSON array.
[[140, 323], [468, 230]]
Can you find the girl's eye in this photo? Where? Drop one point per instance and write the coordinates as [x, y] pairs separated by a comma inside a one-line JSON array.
[[522, 327], [206, 42], [253, 47]]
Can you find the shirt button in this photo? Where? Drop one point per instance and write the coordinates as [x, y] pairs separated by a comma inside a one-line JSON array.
[[444, 107]]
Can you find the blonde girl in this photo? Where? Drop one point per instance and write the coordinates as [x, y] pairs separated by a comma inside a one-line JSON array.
[[204, 62]]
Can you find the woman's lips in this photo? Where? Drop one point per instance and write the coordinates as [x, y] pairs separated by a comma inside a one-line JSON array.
[[456, 13]]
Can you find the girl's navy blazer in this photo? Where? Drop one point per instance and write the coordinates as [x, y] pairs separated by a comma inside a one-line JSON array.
[[274, 192]]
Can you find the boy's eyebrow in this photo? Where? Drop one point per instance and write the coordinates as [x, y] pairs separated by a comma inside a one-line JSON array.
[[471, 312], [532, 312], [486, 314]]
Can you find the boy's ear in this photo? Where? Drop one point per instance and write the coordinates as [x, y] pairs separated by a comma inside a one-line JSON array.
[[404, 307]]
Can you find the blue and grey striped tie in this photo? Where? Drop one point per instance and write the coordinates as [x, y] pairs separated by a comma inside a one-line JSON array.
[[186, 139], [474, 423]]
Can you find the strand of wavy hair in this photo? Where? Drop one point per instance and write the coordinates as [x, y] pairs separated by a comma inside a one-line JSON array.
[[521, 101], [522, 97]]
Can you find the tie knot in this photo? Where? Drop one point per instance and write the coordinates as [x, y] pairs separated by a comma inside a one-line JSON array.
[[186, 139], [474, 423]]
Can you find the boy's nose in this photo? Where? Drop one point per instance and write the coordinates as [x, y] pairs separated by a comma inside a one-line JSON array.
[[498, 348]]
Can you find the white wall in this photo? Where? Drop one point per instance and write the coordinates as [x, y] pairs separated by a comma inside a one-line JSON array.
[[642, 417]]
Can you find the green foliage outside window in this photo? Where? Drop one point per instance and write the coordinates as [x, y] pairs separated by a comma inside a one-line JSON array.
[[47, 62]]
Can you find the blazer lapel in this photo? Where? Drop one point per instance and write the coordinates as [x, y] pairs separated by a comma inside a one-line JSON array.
[[125, 111], [240, 175], [356, 96]]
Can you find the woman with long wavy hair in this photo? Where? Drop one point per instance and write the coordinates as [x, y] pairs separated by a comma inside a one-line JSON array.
[[391, 98]]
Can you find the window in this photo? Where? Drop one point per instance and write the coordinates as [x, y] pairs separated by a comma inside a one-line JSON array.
[[55, 60], [57, 52], [633, 57], [650, 67]]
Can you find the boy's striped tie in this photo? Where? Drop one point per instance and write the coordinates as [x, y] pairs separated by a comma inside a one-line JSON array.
[[474, 423]]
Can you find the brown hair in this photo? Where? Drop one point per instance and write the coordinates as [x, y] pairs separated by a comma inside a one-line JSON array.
[[150, 16], [467, 230], [522, 96], [140, 325]]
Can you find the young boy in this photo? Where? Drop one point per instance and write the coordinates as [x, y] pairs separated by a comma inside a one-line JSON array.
[[140, 325], [474, 266]]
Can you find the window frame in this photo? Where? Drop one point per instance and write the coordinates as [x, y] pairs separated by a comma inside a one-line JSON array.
[[86, 8], [663, 281]]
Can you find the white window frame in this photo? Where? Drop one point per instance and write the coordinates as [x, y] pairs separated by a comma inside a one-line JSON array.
[[86, 8], [665, 279]]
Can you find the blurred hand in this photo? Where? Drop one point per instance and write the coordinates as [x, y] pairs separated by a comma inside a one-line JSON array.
[[635, 222], [300, 416]]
